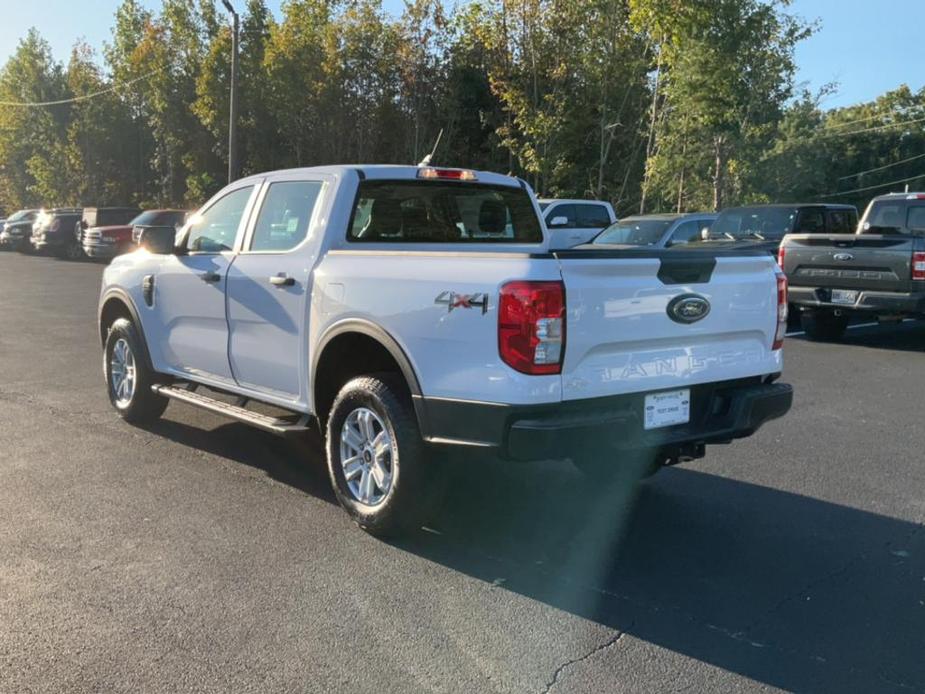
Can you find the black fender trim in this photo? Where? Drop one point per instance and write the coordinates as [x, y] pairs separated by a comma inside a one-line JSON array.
[[370, 329], [123, 297]]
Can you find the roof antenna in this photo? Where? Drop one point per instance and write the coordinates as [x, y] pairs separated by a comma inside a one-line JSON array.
[[426, 160]]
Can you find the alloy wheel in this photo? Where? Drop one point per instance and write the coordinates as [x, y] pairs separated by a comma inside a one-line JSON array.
[[367, 456]]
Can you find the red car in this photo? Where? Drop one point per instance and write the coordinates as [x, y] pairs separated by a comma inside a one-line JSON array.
[[113, 240]]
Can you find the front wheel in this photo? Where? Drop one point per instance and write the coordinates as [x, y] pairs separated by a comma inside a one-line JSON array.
[[128, 378], [377, 459], [74, 251]]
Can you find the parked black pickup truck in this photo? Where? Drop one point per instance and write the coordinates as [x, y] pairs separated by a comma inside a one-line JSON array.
[[879, 271], [764, 226]]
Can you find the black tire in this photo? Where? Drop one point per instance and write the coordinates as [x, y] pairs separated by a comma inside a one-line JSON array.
[[143, 405], [824, 326], [73, 251], [411, 492]]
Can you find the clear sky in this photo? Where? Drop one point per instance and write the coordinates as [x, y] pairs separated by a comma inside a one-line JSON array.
[[867, 46]]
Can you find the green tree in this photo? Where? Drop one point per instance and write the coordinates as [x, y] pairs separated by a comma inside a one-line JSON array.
[[32, 138], [728, 71]]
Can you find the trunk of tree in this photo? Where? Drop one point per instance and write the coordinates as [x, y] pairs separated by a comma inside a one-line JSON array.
[[680, 206], [650, 144], [719, 171]]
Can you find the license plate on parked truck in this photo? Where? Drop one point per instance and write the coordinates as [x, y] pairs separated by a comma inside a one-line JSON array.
[[844, 296], [667, 409]]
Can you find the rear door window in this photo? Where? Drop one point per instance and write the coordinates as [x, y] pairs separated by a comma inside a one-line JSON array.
[[592, 217], [811, 221], [560, 213], [839, 222], [439, 212], [285, 215]]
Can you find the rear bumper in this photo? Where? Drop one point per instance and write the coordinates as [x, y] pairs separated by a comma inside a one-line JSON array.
[[103, 250], [720, 412], [13, 240], [869, 301], [45, 241]]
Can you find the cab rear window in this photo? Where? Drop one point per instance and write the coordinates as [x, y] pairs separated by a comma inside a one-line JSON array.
[[441, 212]]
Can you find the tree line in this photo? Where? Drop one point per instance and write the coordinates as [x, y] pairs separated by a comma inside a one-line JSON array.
[[656, 105]]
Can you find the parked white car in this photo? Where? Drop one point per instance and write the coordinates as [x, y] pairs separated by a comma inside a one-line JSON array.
[[405, 311], [573, 222]]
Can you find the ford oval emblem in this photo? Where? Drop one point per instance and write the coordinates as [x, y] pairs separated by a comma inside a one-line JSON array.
[[688, 308], [843, 256]]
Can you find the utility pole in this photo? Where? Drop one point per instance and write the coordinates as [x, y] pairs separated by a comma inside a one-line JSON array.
[[233, 97]]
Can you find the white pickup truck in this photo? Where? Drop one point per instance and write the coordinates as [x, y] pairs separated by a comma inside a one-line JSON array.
[[404, 311]]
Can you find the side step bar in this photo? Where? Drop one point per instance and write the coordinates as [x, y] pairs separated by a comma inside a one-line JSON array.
[[274, 425]]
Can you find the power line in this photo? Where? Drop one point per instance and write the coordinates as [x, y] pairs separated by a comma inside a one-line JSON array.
[[881, 185], [82, 97], [824, 136], [881, 168], [870, 118], [876, 127]]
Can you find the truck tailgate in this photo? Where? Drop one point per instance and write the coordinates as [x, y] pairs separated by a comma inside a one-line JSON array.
[[620, 338], [850, 261]]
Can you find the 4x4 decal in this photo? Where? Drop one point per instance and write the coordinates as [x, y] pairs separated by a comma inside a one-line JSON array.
[[453, 300]]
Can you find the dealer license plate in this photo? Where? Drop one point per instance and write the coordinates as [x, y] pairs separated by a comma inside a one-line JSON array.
[[844, 296], [667, 409]]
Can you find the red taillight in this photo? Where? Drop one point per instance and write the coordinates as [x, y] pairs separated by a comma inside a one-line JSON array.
[[781, 312], [918, 266], [531, 326], [781, 255]]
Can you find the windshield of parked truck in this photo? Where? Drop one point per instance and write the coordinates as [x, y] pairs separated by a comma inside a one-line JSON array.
[[443, 212], [635, 232], [21, 215], [895, 217], [753, 223]]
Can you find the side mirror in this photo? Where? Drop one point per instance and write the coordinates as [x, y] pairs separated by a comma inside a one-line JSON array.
[[158, 240], [559, 221], [705, 234]]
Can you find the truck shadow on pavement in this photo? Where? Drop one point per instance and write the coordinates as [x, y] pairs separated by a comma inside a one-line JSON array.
[[291, 462], [784, 589]]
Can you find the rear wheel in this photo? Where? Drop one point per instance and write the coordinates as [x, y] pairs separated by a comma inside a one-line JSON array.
[[377, 460], [74, 251], [128, 378], [824, 325]]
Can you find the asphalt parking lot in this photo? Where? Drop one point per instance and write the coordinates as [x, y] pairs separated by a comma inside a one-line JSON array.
[[202, 555]]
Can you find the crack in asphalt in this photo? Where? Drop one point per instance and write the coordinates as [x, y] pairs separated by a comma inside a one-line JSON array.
[[737, 635], [612, 641]]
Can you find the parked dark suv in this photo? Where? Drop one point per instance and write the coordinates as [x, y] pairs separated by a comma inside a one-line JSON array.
[[91, 223], [54, 229], [766, 225], [17, 230]]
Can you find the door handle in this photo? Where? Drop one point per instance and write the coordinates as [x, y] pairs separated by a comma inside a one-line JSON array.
[[210, 277], [282, 281]]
